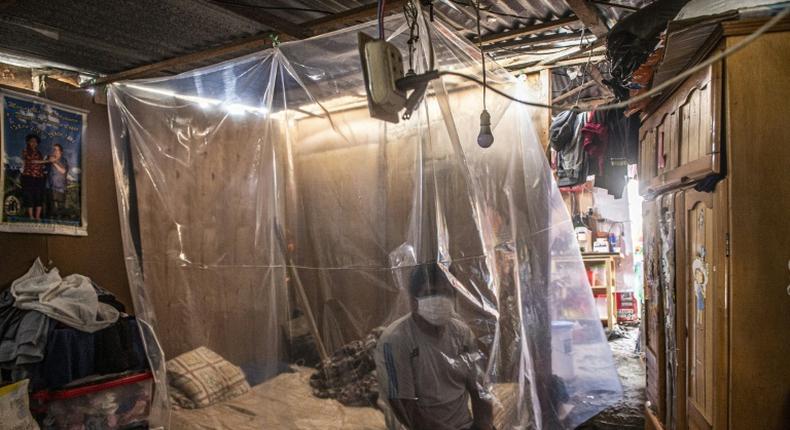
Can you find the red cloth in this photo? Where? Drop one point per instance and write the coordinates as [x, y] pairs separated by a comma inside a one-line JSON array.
[[595, 140], [30, 169]]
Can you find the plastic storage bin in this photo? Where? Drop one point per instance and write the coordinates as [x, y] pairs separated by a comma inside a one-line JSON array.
[[117, 404]]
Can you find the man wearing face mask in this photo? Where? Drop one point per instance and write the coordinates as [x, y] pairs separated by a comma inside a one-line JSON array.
[[428, 362]]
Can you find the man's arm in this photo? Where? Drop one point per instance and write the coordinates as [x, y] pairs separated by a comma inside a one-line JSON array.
[[60, 167], [482, 409], [404, 411], [411, 416]]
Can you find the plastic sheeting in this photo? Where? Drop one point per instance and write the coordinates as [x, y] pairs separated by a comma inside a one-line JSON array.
[[260, 189]]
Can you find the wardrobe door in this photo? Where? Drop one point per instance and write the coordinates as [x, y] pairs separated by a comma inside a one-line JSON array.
[[681, 140], [704, 287]]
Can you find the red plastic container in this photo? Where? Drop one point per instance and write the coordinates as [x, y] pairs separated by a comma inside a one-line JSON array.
[[627, 310], [112, 405]]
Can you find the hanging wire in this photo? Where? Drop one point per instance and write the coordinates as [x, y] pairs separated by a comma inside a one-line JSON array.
[[411, 13], [482, 53], [585, 70], [380, 17]]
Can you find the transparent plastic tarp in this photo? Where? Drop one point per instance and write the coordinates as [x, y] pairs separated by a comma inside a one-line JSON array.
[[258, 197]]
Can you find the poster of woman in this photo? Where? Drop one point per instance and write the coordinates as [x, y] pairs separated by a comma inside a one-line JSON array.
[[42, 176]]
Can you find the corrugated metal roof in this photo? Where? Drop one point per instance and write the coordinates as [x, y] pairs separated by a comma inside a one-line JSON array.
[[108, 36]]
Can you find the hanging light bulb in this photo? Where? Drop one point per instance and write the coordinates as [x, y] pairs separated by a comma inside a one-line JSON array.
[[485, 138]]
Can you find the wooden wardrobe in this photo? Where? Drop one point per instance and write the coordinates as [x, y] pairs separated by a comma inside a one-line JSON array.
[[716, 261]]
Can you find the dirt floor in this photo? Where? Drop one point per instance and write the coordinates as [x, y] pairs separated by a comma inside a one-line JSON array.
[[629, 412]]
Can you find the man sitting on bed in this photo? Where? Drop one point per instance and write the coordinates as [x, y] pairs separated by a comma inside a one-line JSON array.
[[427, 362]]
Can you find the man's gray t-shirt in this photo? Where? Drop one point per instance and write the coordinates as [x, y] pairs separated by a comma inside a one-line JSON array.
[[434, 371]]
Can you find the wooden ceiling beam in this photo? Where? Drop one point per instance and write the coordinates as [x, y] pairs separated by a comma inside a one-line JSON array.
[[574, 60], [280, 25], [532, 41], [571, 52], [351, 17], [590, 16], [573, 92], [260, 41], [528, 30], [248, 44]]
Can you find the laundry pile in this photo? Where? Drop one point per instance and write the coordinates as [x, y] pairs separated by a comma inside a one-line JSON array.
[[349, 375], [58, 333], [594, 143]]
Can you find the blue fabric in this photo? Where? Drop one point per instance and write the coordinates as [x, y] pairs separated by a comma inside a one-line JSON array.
[[73, 354], [69, 356]]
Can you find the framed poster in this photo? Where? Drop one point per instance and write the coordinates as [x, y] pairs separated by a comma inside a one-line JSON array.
[[43, 154]]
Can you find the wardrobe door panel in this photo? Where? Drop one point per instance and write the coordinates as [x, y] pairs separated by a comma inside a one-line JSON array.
[[704, 286]]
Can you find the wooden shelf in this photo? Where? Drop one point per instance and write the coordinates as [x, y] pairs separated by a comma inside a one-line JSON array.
[[607, 259], [600, 254]]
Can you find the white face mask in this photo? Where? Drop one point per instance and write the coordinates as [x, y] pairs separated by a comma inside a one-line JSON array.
[[437, 310]]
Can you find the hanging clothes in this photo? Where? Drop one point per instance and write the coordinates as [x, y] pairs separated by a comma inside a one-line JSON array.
[[623, 134], [611, 141], [595, 140], [566, 138]]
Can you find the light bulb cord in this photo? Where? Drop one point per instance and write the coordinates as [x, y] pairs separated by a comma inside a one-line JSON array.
[[482, 53]]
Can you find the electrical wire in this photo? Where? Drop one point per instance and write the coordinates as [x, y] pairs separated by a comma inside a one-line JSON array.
[[655, 90], [411, 12], [584, 69], [380, 17], [482, 53]]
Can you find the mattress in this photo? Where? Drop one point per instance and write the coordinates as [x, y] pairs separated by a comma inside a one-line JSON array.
[[283, 402], [287, 402]]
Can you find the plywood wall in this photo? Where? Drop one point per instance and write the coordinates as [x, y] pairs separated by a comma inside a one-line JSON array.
[[353, 196]]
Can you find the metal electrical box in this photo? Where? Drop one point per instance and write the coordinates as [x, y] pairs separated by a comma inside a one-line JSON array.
[[382, 64]]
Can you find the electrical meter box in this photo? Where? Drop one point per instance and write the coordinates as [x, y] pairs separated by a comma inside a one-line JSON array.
[[382, 64]]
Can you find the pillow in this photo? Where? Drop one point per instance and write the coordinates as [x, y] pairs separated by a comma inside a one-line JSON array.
[[201, 378]]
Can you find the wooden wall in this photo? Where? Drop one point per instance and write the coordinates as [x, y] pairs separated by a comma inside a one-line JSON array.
[[210, 192], [99, 255], [213, 266]]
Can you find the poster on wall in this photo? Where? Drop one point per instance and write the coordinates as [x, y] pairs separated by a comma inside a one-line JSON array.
[[43, 181]]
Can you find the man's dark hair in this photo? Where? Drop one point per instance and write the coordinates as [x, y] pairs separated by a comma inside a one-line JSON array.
[[59, 146], [32, 136], [427, 274]]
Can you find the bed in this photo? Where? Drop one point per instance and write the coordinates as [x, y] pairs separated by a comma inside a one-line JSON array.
[[287, 402]]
